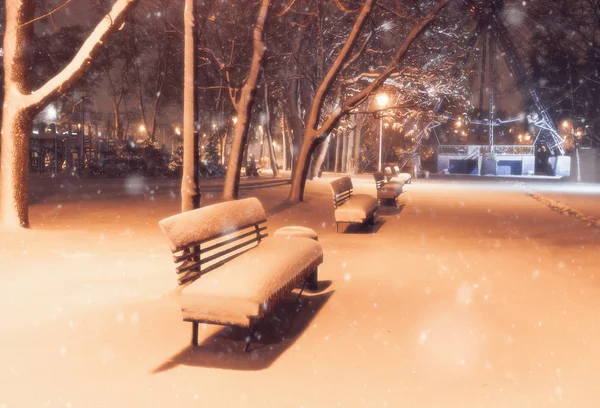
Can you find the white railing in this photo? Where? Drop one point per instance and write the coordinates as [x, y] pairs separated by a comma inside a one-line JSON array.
[[474, 150]]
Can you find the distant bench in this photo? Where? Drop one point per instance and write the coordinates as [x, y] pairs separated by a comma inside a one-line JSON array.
[[390, 173], [349, 207], [229, 271], [387, 190]]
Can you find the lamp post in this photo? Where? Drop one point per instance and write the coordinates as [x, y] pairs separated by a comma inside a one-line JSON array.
[[382, 100]]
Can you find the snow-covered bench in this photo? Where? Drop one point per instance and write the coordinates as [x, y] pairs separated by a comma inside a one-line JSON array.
[[387, 190], [230, 273], [352, 208], [406, 178]]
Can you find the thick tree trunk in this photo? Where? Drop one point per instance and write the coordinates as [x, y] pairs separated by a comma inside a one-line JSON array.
[[272, 157], [190, 192], [299, 176], [319, 158], [21, 105], [16, 128], [244, 106], [293, 96]]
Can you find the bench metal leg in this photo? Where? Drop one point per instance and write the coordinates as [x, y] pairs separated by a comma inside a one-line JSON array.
[[194, 333], [249, 338], [313, 280], [301, 290]]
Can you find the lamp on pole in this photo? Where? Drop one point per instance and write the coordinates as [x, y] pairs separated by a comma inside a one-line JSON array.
[[382, 101]]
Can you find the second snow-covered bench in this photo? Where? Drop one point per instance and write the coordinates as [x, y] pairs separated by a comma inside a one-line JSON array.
[[349, 207], [229, 271], [387, 191], [406, 178]]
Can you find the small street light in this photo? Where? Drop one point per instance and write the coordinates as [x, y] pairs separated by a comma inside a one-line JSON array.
[[382, 101]]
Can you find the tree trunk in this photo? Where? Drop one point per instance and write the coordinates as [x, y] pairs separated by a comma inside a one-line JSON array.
[[190, 192], [344, 161], [16, 128], [116, 121], [299, 176], [350, 167], [244, 106], [293, 94], [283, 143], [358, 125], [272, 157], [141, 96], [317, 162], [338, 150]]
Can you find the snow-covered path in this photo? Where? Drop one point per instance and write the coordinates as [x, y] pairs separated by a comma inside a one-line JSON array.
[[473, 294]]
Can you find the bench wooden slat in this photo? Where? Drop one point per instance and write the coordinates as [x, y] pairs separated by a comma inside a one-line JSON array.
[[188, 266], [222, 234], [229, 250], [187, 254], [342, 190], [190, 276], [236, 238]]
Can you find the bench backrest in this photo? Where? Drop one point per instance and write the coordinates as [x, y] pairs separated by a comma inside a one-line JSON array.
[[342, 190], [204, 239], [379, 179], [388, 173]]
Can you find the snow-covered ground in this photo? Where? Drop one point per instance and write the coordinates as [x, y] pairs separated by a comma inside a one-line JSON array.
[[472, 294]]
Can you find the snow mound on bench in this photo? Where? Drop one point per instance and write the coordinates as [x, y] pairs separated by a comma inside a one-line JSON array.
[[249, 285], [194, 226]]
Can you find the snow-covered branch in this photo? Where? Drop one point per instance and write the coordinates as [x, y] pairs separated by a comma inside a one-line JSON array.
[[83, 59]]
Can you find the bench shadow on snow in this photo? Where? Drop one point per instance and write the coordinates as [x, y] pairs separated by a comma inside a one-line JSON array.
[[274, 334], [384, 211]]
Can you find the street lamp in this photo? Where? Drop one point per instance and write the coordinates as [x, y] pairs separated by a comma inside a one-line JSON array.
[[382, 101]]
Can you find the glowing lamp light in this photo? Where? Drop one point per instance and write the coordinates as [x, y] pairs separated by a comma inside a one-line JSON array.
[[142, 128], [382, 100], [234, 120], [177, 131], [565, 124]]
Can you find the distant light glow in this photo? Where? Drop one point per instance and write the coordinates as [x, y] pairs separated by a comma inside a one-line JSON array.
[[51, 112]]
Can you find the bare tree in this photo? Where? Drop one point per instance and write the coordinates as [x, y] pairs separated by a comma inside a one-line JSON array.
[[21, 103], [190, 192], [243, 102], [316, 126], [270, 146]]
